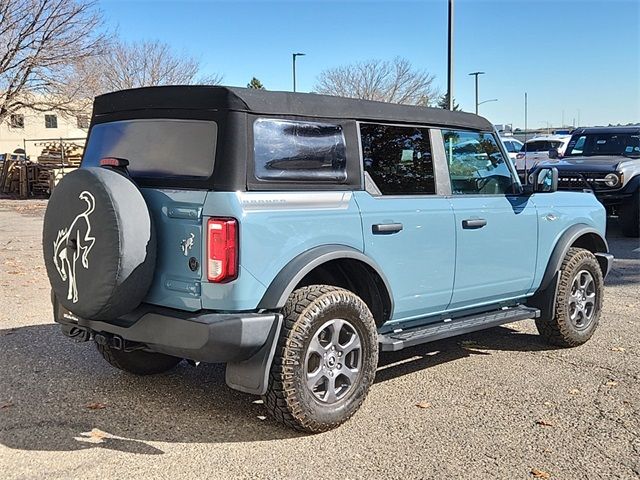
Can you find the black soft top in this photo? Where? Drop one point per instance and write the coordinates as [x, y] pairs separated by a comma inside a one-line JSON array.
[[262, 102]]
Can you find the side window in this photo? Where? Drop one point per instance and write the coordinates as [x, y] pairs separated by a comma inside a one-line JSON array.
[[476, 165], [398, 159], [511, 147], [288, 150]]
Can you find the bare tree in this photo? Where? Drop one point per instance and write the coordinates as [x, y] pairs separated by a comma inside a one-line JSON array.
[[141, 64], [39, 42], [393, 81]]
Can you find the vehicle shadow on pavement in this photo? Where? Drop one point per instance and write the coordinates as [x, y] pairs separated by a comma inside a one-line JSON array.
[[59, 396], [420, 357]]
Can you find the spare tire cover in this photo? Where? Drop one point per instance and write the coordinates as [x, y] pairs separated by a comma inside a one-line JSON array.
[[99, 244]]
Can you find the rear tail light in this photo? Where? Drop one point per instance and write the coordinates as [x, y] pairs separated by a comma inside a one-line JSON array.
[[222, 249], [114, 162]]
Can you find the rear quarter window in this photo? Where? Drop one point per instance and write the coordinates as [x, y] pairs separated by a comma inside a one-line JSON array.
[[289, 150]]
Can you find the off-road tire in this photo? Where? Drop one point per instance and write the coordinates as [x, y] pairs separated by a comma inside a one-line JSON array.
[[559, 330], [629, 217], [288, 398], [138, 362]]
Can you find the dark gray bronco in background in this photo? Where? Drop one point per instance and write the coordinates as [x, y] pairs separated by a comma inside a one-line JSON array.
[[607, 161]]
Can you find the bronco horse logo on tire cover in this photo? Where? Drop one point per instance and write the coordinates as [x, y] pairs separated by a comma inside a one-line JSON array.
[[72, 243]]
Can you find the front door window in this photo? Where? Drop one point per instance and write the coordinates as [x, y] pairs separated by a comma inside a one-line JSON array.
[[477, 165]]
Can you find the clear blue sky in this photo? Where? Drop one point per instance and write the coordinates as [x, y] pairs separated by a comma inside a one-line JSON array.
[[580, 56]]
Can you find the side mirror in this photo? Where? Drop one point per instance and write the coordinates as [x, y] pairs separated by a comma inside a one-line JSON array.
[[544, 180], [553, 153]]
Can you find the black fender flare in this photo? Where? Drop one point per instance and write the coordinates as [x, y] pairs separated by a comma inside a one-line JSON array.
[[633, 185], [545, 296], [293, 272], [563, 244]]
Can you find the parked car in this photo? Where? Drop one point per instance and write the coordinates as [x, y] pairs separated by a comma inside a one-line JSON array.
[[512, 146], [294, 236], [537, 149], [607, 161]]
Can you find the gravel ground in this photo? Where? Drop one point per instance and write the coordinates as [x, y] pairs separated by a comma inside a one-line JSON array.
[[499, 403]]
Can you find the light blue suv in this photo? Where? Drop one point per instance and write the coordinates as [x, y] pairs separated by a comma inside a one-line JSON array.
[[294, 236]]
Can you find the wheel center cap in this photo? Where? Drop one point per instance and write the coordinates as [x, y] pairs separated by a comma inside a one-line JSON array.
[[331, 361]]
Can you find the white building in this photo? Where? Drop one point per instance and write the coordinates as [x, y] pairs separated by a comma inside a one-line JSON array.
[[27, 130]]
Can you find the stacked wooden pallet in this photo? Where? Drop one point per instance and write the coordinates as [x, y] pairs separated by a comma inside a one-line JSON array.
[[25, 178], [14, 176], [58, 155]]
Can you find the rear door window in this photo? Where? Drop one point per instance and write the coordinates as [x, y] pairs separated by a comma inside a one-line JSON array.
[[156, 147], [290, 150], [398, 159]]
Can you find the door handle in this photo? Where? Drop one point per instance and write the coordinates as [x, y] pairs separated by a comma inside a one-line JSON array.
[[386, 228], [473, 223]]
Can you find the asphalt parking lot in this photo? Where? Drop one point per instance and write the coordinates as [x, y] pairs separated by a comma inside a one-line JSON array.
[[495, 404]]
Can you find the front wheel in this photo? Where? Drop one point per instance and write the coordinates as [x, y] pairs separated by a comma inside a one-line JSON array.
[[325, 360], [578, 301]]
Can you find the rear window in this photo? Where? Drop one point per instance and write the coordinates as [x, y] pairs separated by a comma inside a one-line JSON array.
[[287, 150], [156, 147], [538, 146]]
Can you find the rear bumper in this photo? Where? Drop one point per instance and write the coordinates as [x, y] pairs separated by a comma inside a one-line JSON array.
[[204, 336]]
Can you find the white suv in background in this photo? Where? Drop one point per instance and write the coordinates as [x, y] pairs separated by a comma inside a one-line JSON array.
[[512, 146], [537, 149]]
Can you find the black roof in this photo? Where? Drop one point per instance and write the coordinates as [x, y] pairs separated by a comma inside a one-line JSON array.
[[600, 130], [264, 102]]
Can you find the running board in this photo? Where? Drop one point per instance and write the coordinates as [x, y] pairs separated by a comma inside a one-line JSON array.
[[399, 339]]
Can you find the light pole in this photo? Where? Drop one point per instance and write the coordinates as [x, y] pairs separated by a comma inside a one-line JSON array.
[[450, 57], [548, 126], [475, 74], [294, 67], [487, 101]]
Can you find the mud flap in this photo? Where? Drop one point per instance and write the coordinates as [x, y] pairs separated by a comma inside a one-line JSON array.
[[545, 300], [252, 375]]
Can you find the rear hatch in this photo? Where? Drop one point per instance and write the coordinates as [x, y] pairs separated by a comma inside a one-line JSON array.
[[168, 159]]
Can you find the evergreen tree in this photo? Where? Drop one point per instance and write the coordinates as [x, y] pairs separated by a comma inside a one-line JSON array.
[[255, 84], [444, 103]]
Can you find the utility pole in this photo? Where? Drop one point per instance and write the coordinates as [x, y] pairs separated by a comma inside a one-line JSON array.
[[294, 67], [475, 74], [450, 58], [526, 174]]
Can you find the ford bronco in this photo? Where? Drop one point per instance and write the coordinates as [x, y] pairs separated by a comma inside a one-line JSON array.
[[294, 236], [605, 160]]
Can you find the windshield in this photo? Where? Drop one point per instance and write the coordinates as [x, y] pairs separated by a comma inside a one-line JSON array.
[[155, 147], [604, 144]]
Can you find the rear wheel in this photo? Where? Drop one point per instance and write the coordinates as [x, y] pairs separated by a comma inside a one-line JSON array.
[[578, 301], [325, 360], [138, 362]]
